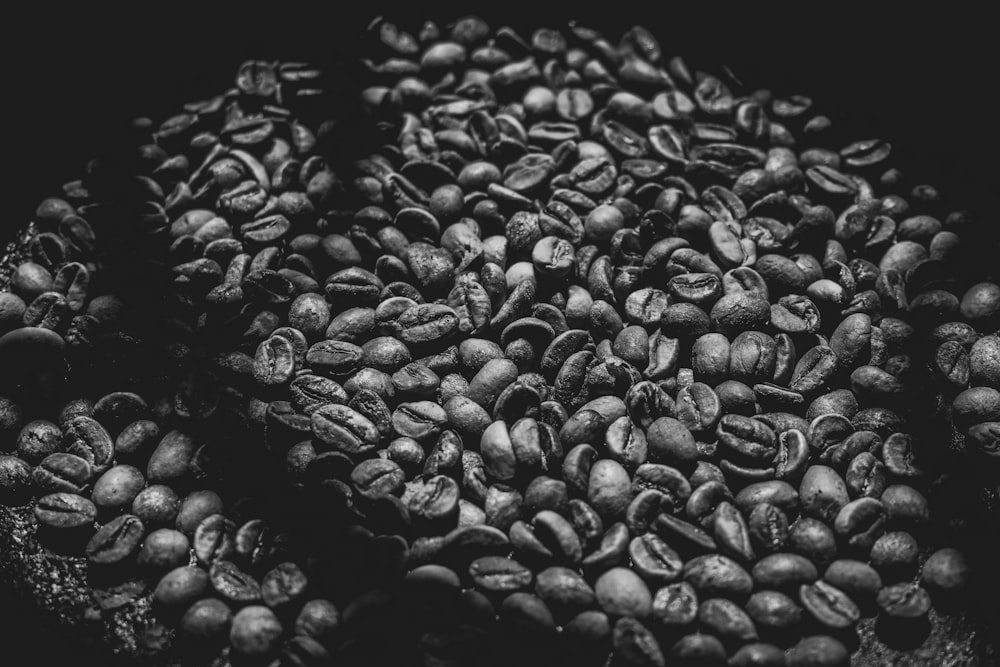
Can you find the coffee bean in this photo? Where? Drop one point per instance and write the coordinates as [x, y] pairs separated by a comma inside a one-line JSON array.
[[164, 549], [620, 592], [255, 631], [65, 511], [115, 541], [904, 601], [829, 605]]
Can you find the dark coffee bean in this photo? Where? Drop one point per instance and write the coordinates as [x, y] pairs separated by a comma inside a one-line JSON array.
[[180, 588], [61, 472], [717, 575], [254, 631], [620, 592], [731, 532], [905, 600], [681, 532], [823, 492], [496, 574], [214, 539], [818, 650], [726, 620], [117, 488], [654, 560], [16, 477], [854, 578], [283, 586], [758, 655], [65, 511], [783, 571], [343, 428], [860, 522], [698, 649], [814, 539], [829, 605], [115, 541]]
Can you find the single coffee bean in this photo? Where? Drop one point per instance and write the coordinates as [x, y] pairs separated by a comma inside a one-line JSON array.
[[115, 541], [654, 560], [283, 586], [905, 600], [726, 620], [620, 592], [634, 643], [180, 588], [717, 575], [814, 539], [854, 577], [118, 487], [823, 492], [818, 651], [829, 605], [61, 472], [773, 610], [255, 631], [164, 549], [207, 621], [860, 522], [65, 511]]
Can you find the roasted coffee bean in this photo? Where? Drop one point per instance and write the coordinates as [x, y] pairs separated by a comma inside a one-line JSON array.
[[343, 428], [823, 492], [214, 539], [117, 488], [818, 650], [654, 560], [61, 472], [860, 522], [620, 592], [283, 586], [854, 578], [65, 511], [727, 620], [829, 605], [814, 539], [115, 541], [254, 631], [634, 643], [717, 575], [783, 571], [906, 600], [181, 587]]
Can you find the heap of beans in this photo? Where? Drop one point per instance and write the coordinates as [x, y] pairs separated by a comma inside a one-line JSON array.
[[588, 354]]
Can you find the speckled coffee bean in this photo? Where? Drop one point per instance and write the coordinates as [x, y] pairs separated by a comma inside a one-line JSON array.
[[15, 480], [118, 487], [164, 549], [156, 505], [195, 507]]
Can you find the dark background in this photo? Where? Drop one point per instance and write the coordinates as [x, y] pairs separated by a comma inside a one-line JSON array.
[[924, 81]]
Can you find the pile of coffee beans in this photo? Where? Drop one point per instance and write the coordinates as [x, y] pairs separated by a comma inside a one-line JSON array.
[[587, 356]]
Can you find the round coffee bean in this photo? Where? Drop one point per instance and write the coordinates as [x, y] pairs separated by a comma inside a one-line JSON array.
[[620, 592], [15, 481], [255, 631], [207, 621], [164, 549]]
